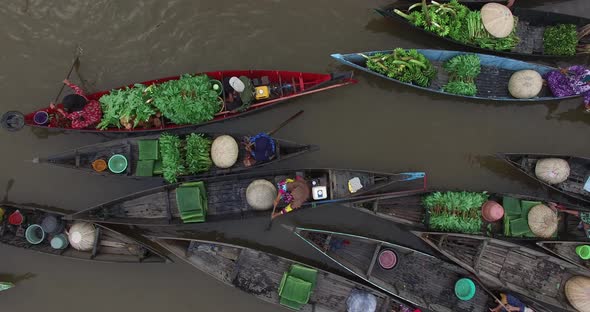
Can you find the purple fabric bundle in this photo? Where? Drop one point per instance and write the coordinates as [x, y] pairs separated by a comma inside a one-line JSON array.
[[575, 81]]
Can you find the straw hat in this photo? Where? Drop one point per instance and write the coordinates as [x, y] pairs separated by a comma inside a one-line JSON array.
[[82, 236], [497, 19], [552, 170], [261, 194], [577, 291], [224, 151], [542, 221], [525, 84]]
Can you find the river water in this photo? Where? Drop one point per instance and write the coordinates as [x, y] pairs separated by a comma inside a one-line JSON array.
[[374, 125]]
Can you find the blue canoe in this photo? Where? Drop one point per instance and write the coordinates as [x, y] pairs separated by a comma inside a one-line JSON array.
[[492, 82]]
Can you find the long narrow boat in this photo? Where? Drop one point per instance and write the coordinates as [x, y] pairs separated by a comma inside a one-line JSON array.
[[492, 82], [282, 85], [410, 210], [574, 185], [82, 158], [530, 28], [261, 274], [505, 265], [109, 244], [566, 250], [224, 197], [419, 278]]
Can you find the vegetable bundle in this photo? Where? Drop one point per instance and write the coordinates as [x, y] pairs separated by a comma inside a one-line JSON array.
[[188, 100], [198, 150], [458, 22], [404, 65], [463, 70], [455, 211], [189, 156], [560, 40]]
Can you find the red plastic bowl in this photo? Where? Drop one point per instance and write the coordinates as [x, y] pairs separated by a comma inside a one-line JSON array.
[[387, 259]]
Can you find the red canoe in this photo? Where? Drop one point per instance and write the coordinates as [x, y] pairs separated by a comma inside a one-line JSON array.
[[286, 85]]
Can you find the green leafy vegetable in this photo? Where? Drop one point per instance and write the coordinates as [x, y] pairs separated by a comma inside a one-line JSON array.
[[188, 100], [458, 22], [404, 65], [198, 150], [560, 40], [463, 69], [172, 164], [121, 107], [455, 211]]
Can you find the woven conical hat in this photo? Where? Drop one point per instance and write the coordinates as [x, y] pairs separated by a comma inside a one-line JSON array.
[[542, 221], [577, 291], [497, 19], [261, 194]]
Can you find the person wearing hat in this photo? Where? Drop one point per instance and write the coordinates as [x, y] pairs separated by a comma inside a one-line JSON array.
[[78, 108], [294, 193], [239, 93], [584, 224], [509, 303]]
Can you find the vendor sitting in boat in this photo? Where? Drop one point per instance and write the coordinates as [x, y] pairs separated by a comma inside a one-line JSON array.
[[239, 93], [509, 303], [584, 224], [292, 192], [260, 148], [78, 108], [574, 80]]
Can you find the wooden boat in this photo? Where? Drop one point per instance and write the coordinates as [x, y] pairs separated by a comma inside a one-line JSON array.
[[492, 82], [565, 250], [409, 210], [573, 186], [110, 245], [530, 28], [419, 278], [284, 85], [505, 265], [260, 274], [83, 157], [226, 195]]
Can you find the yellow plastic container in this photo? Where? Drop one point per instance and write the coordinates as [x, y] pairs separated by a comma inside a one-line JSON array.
[[262, 92]]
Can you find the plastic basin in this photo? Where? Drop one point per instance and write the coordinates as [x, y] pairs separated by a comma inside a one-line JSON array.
[[35, 234], [387, 259], [583, 251], [465, 289], [117, 163]]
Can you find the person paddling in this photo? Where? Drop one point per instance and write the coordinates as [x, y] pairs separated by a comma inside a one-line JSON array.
[[294, 193], [510, 303], [78, 108]]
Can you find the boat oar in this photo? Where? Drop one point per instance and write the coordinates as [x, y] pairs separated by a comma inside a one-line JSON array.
[[76, 65], [284, 123]]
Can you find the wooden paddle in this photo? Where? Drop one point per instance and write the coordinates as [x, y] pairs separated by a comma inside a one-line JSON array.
[[76, 65]]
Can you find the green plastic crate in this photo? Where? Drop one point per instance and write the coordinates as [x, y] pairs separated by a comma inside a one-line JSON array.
[[511, 206], [148, 149], [144, 168], [294, 291]]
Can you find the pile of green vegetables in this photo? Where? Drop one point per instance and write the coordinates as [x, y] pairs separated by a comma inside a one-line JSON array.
[[458, 212], [404, 65], [188, 100], [463, 69], [457, 22], [180, 157], [560, 40]]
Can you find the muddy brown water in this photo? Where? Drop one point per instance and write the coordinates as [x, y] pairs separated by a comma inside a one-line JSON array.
[[372, 125]]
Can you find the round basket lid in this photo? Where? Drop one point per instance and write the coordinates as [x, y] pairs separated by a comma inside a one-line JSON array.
[[542, 221], [117, 163], [525, 84], [465, 289], [224, 151], [497, 19], [577, 291], [552, 170], [261, 194], [491, 211], [387, 259]]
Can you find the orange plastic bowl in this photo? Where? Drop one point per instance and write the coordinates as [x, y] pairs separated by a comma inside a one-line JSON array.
[[99, 165]]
